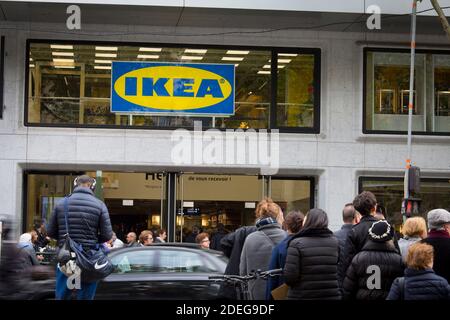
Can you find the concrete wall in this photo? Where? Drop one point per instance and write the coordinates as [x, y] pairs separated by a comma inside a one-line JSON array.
[[336, 157]]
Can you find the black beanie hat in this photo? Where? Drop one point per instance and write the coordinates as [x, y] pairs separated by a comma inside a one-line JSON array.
[[381, 231]]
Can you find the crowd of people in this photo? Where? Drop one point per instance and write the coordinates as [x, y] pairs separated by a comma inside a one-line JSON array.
[[364, 260]]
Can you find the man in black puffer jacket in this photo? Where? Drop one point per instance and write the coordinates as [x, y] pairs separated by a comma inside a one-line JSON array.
[[373, 270], [89, 226], [365, 203]]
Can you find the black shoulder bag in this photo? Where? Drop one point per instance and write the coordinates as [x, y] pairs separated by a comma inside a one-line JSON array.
[[93, 263]]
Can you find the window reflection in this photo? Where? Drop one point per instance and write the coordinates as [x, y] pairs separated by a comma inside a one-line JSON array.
[[387, 91]]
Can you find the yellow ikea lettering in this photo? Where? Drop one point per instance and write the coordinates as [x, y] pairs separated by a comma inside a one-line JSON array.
[[172, 87]]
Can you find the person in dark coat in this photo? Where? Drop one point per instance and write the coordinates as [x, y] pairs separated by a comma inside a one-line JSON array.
[[231, 246], [191, 237], [365, 203], [293, 223], [217, 237], [420, 282], [439, 238], [311, 264], [258, 246], [350, 217], [372, 271], [89, 225], [42, 238]]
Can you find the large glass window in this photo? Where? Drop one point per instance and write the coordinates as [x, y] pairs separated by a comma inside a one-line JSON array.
[[434, 193], [387, 92], [70, 85], [296, 90]]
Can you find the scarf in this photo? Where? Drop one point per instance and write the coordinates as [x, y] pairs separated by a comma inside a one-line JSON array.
[[264, 221]]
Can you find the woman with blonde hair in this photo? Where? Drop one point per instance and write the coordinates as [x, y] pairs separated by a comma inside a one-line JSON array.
[[258, 245], [420, 281], [414, 229]]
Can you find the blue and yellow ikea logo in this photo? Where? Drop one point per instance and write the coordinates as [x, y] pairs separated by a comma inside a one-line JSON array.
[[197, 89]]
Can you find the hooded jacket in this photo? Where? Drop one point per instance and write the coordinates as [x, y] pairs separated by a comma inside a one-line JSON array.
[[256, 255], [361, 278]]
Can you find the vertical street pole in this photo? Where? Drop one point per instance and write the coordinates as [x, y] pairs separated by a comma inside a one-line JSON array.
[[410, 105]]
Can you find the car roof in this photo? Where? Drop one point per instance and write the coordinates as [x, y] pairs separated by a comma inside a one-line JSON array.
[[171, 245]]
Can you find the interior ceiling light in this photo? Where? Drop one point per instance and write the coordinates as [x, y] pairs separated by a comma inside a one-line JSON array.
[[63, 54], [60, 46], [263, 72], [288, 54], [102, 61], [102, 67], [106, 48], [106, 55], [201, 51], [191, 58], [232, 58], [63, 60], [150, 49], [237, 52], [148, 56], [64, 67]]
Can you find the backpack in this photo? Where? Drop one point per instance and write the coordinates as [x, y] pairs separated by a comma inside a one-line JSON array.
[[93, 263]]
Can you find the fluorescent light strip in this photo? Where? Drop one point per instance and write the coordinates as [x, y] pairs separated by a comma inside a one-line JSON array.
[[63, 47], [237, 52], [288, 54], [148, 56], [106, 55], [284, 60], [201, 51], [150, 49], [263, 72], [106, 48], [236, 65], [63, 54], [232, 58], [63, 60], [280, 66], [102, 67], [31, 59], [65, 67], [191, 58], [102, 61], [31, 65]]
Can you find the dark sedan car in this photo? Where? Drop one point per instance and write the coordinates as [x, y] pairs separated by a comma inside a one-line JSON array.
[[163, 271]]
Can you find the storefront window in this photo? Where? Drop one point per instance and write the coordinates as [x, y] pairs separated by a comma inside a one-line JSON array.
[[43, 192], [387, 92], [295, 96], [434, 193], [70, 85], [292, 194]]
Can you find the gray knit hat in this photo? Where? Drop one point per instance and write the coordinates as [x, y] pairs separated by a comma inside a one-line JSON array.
[[437, 218]]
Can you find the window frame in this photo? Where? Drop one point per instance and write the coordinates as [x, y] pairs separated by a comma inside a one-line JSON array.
[[273, 90], [2, 75], [366, 50]]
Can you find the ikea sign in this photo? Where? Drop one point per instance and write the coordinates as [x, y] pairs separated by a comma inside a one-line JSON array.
[[172, 88]]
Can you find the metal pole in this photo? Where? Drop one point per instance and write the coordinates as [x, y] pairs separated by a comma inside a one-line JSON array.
[[411, 97]]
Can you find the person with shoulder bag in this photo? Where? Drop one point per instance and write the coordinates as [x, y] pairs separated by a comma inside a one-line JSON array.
[[81, 223]]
